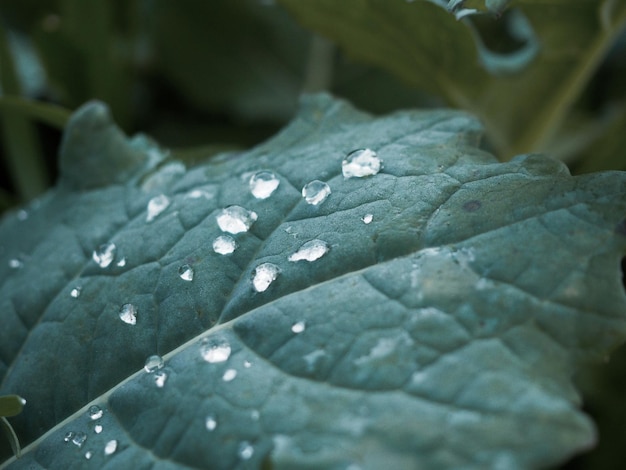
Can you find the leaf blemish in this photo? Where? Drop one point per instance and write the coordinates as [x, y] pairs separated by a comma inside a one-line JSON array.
[[472, 206]]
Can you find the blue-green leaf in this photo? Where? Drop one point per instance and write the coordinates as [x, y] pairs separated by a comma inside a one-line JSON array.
[[423, 306]]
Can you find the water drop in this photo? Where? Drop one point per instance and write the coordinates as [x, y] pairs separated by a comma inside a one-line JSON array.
[[88, 454], [229, 375], [247, 364], [310, 251], [315, 192], [15, 263], [160, 377], [128, 314], [215, 350], [156, 206], [94, 412], [97, 428], [255, 415], [75, 292], [104, 255], [298, 327], [245, 450], [367, 218], [110, 447], [235, 219], [360, 163], [224, 245], [68, 436], [22, 215], [210, 422], [121, 263], [264, 275], [79, 439], [153, 363], [263, 184], [186, 272]]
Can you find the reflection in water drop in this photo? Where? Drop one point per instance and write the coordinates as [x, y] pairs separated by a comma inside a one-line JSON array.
[[104, 255], [128, 314], [75, 292], [110, 447], [229, 375], [310, 251], [94, 412], [160, 377], [79, 439], [153, 363], [298, 327], [97, 428], [156, 206], [264, 275], [315, 192], [210, 422], [360, 163], [186, 272], [88, 454], [215, 350], [367, 218], [224, 245], [235, 219], [263, 184]]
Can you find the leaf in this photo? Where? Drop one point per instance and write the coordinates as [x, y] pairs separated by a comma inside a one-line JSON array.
[[441, 332], [559, 45], [11, 405]]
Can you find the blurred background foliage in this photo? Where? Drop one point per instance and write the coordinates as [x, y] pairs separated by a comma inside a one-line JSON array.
[[204, 77]]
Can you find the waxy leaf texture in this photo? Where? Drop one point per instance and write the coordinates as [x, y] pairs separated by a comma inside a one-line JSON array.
[[419, 305]]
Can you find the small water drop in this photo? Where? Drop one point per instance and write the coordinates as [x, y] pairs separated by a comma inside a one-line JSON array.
[[298, 327], [210, 422], [186, 272], [263, 184], [245, 451], [360, 163], [156, 206], [97, 428], [79, 439], [229, 375], [68, 436], [315, 192], [22, 215], [128, 314], [104, 255], [160, 377], [15, 263], [215, 350], [264, 275], [153, 363], [75, 292], [224, 245], [310, 251], [235, 219], [94, 412], [255, 415], [367, 218], [121, 263], [247, 364], [88, 454], [110, 447]]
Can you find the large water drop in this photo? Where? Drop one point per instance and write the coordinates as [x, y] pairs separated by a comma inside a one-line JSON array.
[[310, 251], [104, 255], [128, 314], [224, 245], [235, 219], [315, 192], [360, 163], [215, 350], [94, 412], [185, 272], [110, 447], [245, 451], [264, 275], [156, 205], [263, 184]]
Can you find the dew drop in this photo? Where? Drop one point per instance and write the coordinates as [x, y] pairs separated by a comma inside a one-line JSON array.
[[215, 350], [128, 314], [360, 163], [153, 363], [75, 292], [94, 412], [97, 428], [263, 184], [186, 272], [104, 255], [156, 206], [298, 327], [245, 451], [315, 192], [110, 447], [224, 245], [79, 439], [255, 415], [235, 219], [15, 263], [247, 364], [68, 436], [310, 251], [121, 263], [22, 215], [264, 275], [367, 218], [88, 454], [210, 422], [160, 377], [229, 375]]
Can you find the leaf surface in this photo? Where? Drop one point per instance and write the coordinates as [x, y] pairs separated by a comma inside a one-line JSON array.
[[441, 332]]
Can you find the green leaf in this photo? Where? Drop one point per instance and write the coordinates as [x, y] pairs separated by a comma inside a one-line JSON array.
[[11, 436], [11, 405], [451, 301], [550, 49], [53, 115]]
